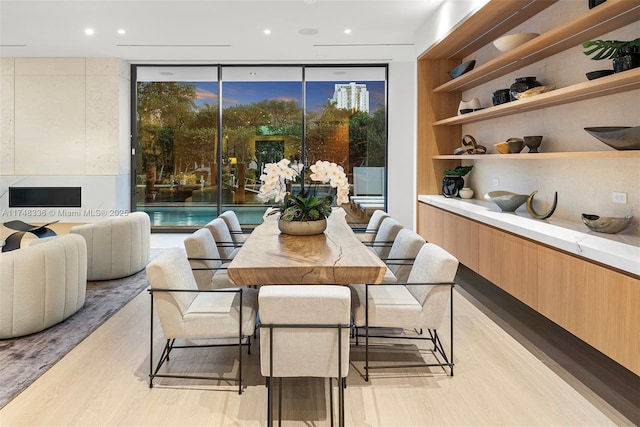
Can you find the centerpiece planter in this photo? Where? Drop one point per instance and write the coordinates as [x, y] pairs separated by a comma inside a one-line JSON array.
[[305, 213], [302, 228]]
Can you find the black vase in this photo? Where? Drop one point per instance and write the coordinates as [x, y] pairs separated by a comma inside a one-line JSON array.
[[522, 84], [451, 186], [628, 58]]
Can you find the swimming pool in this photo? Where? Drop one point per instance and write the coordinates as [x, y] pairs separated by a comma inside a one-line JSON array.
[[198, 216]]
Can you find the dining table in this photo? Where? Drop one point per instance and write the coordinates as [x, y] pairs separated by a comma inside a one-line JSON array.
[[336, 256]]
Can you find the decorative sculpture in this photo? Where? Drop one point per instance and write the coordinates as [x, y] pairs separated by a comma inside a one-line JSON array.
[[545, 215]]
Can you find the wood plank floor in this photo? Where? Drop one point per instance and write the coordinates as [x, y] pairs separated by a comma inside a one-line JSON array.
[[103, 382]]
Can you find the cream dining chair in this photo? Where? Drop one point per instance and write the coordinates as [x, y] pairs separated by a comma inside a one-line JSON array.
[[304, 332], [222, 236], [188, 313], [233, 224], [209, 269], [384, 238], [419, 304], [369, 233]]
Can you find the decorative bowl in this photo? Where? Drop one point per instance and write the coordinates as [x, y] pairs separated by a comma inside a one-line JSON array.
[[618, 137], [533, 142], [534, 91], [506, 200], [606, 224], [592, 75], [515, 145], [502, 147], [462, 68], [511, 41]]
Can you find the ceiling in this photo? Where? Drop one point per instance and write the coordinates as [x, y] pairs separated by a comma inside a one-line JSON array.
[[215, 31]]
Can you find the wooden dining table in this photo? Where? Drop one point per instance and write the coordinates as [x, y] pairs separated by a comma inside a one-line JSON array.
[[336, 256]]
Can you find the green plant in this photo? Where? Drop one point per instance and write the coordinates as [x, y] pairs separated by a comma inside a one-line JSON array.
[[458, 171], [607, 49], [305, 206]]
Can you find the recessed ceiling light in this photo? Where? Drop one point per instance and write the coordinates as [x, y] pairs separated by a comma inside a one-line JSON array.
[[166, 73], [347, 30], [308, 31], [253, 73], [121, 31], [267, 31], [89, 31]]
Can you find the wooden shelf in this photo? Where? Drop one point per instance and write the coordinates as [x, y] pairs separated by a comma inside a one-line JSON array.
[[483, 26], [607, 17], [619, 82], [626, 154]]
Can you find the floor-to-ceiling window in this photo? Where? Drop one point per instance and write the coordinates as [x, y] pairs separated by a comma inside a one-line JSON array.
[[204, 133]]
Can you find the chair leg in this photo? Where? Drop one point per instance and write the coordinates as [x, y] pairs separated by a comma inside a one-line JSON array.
[[280, 401], [331, 400], [269, 401], [366, 333]]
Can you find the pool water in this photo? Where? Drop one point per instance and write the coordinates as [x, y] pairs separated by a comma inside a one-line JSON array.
[[199, 216]]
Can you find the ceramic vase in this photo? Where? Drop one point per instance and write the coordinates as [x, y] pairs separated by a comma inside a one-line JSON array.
[[451, 186], [522, 84], [466, 193]]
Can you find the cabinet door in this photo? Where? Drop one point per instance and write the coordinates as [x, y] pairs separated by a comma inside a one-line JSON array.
[[460, 237], [597, 304], [430, 223], [510, 262]]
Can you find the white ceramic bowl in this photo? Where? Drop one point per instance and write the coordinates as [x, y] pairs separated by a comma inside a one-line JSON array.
[[511, 41]]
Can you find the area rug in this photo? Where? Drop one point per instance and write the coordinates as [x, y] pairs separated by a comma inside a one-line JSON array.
[[24, 359]]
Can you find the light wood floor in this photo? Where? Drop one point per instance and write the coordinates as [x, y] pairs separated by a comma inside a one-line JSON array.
[[103, 382]]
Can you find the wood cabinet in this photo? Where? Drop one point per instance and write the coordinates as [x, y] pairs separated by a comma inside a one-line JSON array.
[[456, 233], [597, 304]]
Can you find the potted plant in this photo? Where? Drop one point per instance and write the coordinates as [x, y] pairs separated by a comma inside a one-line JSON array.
[[625, 54], [304, 213], [453, 180]]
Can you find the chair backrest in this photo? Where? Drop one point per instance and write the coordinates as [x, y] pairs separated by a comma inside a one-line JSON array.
[[432, 265], [233, 224], [171, 270], [405, 248], [376, 219], [222, 237], [386, 235], [200, 244], [311, 352]]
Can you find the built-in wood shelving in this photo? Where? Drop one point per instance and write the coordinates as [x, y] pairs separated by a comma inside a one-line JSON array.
[[604, 18], [626, 154], [619, 82]]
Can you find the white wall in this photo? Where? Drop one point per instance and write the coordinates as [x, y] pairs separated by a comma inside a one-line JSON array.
[[65, 122], [401, 185]]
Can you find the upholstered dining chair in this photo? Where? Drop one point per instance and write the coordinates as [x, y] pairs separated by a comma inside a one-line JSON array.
[[369, 233], [419, 304], [233, 224], [402, 255], [209, 269], [386, 235], [222, 236], [304, 332], [189, 313]]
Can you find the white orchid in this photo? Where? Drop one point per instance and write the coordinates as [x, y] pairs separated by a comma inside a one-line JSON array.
[[277, 175]]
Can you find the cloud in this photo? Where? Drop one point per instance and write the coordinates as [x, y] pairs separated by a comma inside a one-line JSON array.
[[203, 94]]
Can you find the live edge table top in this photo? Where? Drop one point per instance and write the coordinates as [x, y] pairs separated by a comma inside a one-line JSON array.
[[334, 257]]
